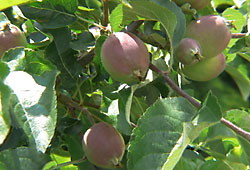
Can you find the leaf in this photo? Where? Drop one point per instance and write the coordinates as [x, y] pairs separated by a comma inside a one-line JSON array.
[[84, 41], [124, 103], [242, 120], [36, 112], [5, 92], [10, 3], [116, 18], [210, 110], [152, 11], [22, 158], [242, 82], [180, 28], [193, 129], [51, 14], [157, 132]]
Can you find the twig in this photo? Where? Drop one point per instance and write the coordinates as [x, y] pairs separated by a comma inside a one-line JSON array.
[[67, 163], [69, 102], [235, 128], [178, 90], [105, 13], [238, 35]]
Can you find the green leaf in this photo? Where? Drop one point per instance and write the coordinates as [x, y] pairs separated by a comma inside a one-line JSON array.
[[51, 14], [36, 111], [84, 41], [10, 3], [22, 158], [116, 18], [242, 120], [124, 103], [180, 28], [241, 80], [36, 108], [210, 110], [5, 92], [157, 132], [237, 18], [152, 11]]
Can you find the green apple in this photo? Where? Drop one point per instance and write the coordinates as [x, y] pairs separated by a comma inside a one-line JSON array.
[[206, 69]]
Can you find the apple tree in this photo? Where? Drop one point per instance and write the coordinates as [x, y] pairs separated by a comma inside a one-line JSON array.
[[124, 84]]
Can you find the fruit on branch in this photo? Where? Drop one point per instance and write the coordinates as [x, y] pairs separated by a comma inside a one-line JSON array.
[[212, 34], [103, 145], [197, 4], [125, 57], [188, 51], [206, 69], [10, 37]]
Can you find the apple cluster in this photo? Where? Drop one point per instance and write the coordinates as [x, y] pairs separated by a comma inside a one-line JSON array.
[[201, 51]]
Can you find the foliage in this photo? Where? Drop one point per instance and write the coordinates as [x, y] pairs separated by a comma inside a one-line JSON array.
[[52, 91]]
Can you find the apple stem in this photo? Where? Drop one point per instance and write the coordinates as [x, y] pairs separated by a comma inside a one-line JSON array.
[[197, 104]]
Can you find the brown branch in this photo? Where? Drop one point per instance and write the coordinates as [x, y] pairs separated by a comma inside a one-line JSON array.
[[105, 13], [238, 35], [178, 90]]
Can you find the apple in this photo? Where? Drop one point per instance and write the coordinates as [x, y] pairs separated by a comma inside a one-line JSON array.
[[207, 69], [103, 145], [125, 57], [212, 34], [188, 51], [10, 37]]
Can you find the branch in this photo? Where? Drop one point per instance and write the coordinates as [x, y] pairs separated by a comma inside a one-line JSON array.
[[178, 90]]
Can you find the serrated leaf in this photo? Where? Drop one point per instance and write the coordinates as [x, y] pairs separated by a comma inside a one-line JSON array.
[[51, 14], [116, 18], [210, 110], [36, 111], [157, 132], [241, 80], [22, 158]]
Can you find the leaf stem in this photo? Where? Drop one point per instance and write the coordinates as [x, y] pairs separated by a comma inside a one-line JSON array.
[[229, 124], [90, 22]]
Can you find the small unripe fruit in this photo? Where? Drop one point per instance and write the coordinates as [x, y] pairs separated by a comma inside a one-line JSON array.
[[197, 4], [212, 34], [10, 37], [188, 51], [125, 57], [103, 146], [206, 69]]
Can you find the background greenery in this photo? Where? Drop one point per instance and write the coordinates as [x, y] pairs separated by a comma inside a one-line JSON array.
[[51, 91]]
